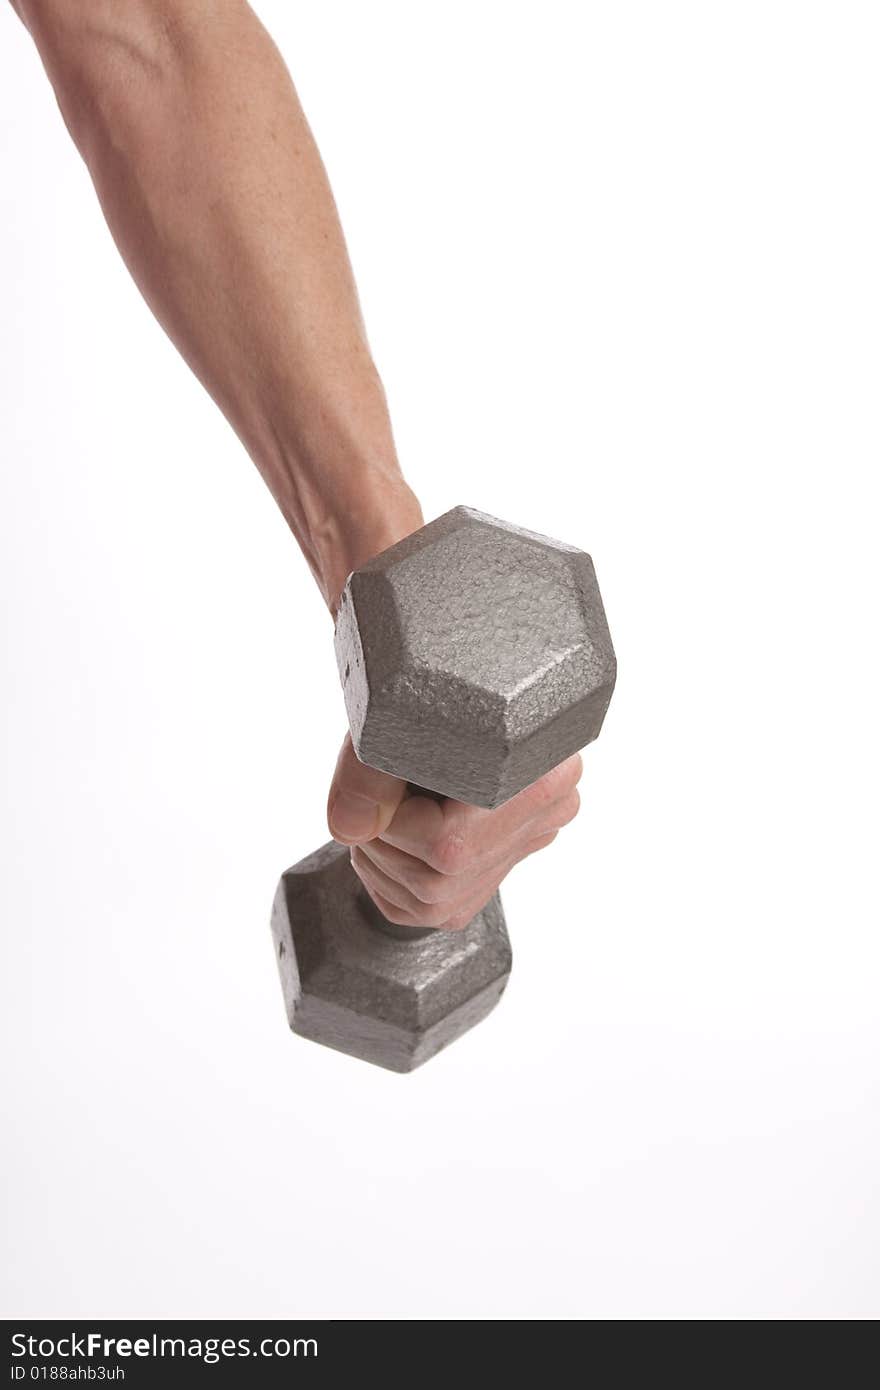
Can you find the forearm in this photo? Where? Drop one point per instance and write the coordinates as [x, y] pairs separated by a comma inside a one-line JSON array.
[[216, 196]]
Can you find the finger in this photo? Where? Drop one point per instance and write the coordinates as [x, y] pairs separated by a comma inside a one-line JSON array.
[[410, 883], [468, 911], [451, 915], [398, 915], [448, 912], [451, 837], [362, 801], [375, 880], [433, 914], [423, 882], [540, 843], [402, 908], [427, 884], [566, 811], [401, 918]]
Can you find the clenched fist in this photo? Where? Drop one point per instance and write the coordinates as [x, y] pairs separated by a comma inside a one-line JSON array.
[[436, 864]]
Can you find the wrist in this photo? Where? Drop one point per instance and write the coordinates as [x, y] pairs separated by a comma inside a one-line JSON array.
[[376, 513], [332, 468]]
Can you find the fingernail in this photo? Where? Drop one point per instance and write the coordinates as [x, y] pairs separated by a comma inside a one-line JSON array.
[[353, 817]]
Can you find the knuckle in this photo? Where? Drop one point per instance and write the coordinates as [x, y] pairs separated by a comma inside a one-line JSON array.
[[571, 771], [547, 839], [542, 841], [448, 853], [570, 806], [559, 782], [429, 886], [545, 791]]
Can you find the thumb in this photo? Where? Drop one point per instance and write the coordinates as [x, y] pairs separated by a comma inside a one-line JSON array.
[[362, 801]]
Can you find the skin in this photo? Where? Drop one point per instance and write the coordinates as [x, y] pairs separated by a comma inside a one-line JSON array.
[[216, 196]]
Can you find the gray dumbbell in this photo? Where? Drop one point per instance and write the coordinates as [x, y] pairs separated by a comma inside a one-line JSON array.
[[474, 657]]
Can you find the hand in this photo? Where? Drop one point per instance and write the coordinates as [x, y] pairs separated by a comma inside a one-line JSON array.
[[436, 864]]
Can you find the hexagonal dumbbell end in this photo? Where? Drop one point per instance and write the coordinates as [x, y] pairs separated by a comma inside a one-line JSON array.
[[389, 995], [474, 657]]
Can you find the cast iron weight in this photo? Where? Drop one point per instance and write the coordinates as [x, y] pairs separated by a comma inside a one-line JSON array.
[[474, 657]]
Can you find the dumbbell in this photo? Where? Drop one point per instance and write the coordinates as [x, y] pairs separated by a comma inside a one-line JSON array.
[[474, 657]]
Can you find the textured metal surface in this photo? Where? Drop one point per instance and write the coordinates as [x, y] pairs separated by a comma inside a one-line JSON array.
[[474, 657], [394, 997]]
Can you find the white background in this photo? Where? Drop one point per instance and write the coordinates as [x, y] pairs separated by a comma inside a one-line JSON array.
[[619, 264]]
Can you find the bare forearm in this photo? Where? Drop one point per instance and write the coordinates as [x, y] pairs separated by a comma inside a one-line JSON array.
[[217, 198]]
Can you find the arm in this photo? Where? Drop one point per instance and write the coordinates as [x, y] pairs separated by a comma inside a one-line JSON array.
[[216, 196]]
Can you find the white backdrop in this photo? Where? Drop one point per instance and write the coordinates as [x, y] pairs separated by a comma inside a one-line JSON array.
[[619, 266]]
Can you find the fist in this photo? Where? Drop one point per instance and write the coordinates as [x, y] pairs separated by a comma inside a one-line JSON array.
[[436, 864]]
